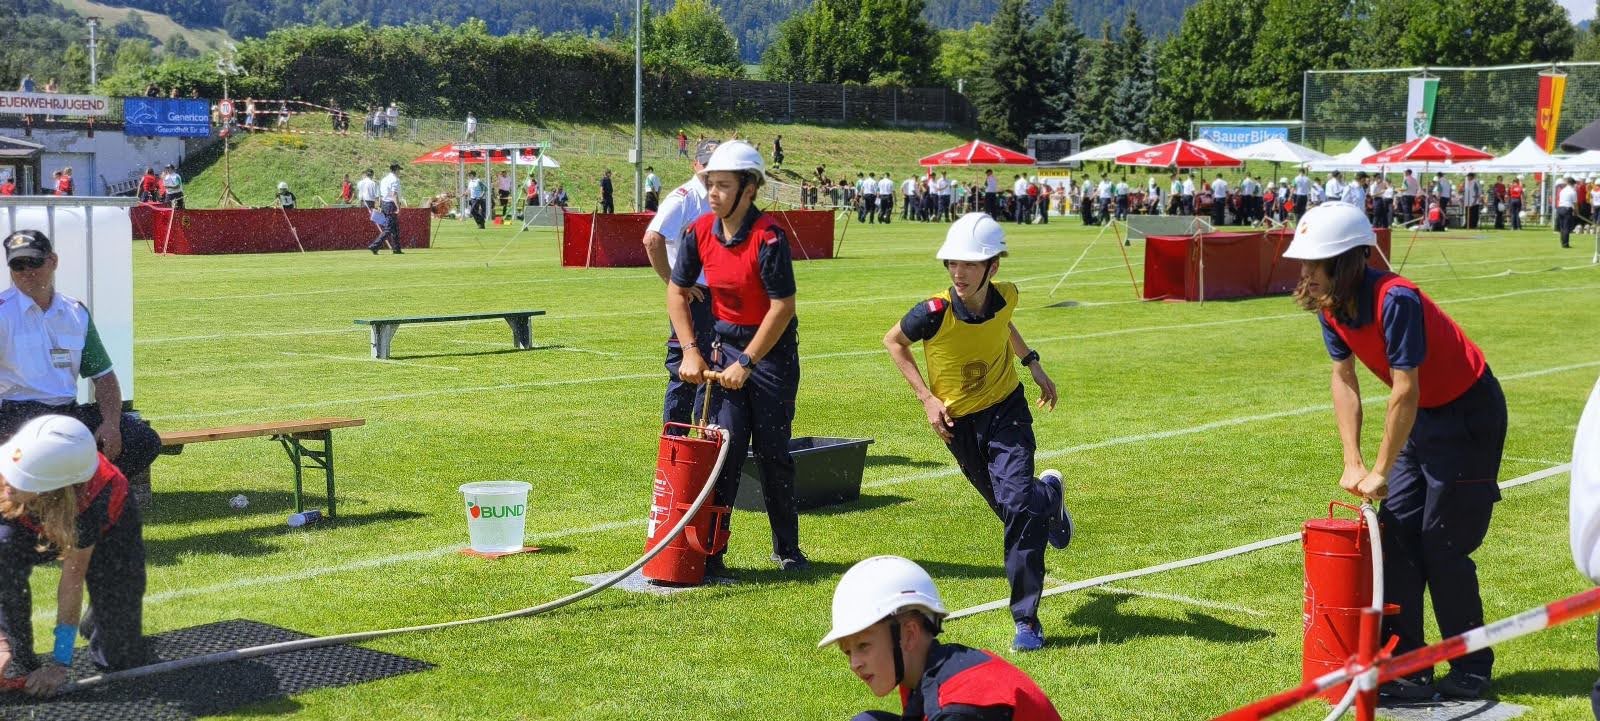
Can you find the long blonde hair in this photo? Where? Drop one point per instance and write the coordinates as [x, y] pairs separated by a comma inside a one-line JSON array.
[[56, 512]]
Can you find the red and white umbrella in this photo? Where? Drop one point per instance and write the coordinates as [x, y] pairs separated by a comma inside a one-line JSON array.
[[977, 152], [1178, 154], [1427, 149]]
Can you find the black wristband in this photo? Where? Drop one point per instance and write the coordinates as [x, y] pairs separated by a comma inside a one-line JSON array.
[[1031, 358]]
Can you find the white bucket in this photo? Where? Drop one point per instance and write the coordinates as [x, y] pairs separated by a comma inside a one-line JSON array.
[[497, 514]]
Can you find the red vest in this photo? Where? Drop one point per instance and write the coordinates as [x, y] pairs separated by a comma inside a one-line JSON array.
[[106, 479], [1453, 362], [734, 274], [973, 677]]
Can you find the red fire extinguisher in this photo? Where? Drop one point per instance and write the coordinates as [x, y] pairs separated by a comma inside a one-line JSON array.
[[683, 468], [1339, 621]]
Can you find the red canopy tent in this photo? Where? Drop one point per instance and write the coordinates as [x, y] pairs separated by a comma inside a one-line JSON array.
[[1178, 154], [448, 155], [977, 152], [1427, 149]]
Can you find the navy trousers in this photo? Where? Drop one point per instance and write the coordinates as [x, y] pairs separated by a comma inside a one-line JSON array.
[[684, 400], [761, 416], [116, 584], [391, 227], [140, 443], [994, 448], [1442, 493]]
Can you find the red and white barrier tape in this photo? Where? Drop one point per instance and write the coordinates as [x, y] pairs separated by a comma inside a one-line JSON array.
[[1525, 623]]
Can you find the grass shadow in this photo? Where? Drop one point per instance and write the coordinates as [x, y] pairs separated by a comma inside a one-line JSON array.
[[864, 503], [1065, 304], [192, 506], [876, 460], [1113, 625], [473, 353], [254, 541], [1546, 682]]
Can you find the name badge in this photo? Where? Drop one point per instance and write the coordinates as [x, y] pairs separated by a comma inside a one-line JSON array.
[[61, 357]]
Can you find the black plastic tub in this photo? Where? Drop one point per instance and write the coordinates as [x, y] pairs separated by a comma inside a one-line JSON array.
[[827, 471]]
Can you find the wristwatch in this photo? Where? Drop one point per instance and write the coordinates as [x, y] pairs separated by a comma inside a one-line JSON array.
[[1031, 358], [746, 361]]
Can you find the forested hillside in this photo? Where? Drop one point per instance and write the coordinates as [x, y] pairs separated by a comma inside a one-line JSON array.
[[752, 21]]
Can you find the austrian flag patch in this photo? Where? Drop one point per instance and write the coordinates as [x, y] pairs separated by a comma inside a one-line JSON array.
[[936, 305]]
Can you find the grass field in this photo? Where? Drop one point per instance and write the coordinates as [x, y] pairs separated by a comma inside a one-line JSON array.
[[1185, 429]]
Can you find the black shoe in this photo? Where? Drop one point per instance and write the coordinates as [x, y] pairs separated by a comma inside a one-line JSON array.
[[374, 250], [795, 561], [1411, 688], [396, 251], [1460, 684], [716, 568]]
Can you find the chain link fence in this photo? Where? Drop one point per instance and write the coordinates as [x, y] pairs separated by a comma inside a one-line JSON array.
[[1488, 107]]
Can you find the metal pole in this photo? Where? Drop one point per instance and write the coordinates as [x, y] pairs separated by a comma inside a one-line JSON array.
[[94, 69], [638, 105]]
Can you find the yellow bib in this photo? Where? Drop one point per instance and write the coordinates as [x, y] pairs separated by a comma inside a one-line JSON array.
[[970, 364]]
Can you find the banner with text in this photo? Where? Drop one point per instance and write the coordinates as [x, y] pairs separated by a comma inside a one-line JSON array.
[[1238, 136], [14, 103], [1552, 89], [1419, 107], [167, 118]]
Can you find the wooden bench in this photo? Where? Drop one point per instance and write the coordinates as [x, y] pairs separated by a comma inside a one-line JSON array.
[[383, 328], [292, 434]]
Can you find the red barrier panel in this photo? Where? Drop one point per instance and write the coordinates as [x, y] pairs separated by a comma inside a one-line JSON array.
[[143, 218], [1280, 275], [1237, 265], [268, 230], [591, 240]]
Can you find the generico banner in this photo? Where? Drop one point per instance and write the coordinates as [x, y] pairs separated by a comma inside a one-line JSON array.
[[170, 118]]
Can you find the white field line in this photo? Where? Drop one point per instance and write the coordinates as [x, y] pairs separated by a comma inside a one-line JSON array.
[[388, 289], [820, 356], [358, 359], [1202, 428], [1207, 558], [432, 553], [1187, 600], [1535, 461]]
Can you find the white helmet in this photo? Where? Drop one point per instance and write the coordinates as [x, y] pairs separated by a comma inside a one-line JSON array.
[[878, 588], [974, 236], [47, 453], [283, 185], [736, 155], [1328, 230]]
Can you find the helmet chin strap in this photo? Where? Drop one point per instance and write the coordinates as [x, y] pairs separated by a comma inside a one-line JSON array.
[[744, 182]]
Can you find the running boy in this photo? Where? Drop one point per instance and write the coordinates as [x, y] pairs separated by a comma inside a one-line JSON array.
[[976, 404]]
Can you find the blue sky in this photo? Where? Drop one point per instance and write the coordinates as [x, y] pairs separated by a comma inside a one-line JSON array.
[[1580, 10]]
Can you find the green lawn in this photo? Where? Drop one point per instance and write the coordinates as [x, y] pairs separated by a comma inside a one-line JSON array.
[[1186, 429]]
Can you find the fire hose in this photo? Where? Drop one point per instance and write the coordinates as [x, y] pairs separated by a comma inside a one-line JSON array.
[[1528, 622], [359, 637]]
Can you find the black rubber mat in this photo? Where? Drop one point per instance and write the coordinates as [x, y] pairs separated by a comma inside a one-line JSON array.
[[213, 690]]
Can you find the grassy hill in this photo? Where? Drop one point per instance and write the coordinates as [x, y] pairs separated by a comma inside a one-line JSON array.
[[314, 163], [161, 26]]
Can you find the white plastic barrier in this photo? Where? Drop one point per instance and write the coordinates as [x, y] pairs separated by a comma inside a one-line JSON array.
[[94, 239]]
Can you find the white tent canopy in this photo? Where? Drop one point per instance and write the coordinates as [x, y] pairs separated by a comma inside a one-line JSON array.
[[1585, 162], [1107, 152], [1527, 157], [1350, 160], [1278, 150], [540, 160]]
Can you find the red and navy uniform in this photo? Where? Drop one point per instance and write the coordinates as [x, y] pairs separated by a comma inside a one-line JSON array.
[[967, 684], [746, 271], [1443, 487], [109, 522]]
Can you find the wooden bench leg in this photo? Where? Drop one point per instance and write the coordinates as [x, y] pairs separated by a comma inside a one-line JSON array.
[[382, 334], [521, 332]]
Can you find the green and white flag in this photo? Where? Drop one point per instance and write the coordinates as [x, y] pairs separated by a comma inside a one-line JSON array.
[[1419, 107]]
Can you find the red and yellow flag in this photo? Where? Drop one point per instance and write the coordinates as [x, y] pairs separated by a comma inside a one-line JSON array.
[[1552, 88]]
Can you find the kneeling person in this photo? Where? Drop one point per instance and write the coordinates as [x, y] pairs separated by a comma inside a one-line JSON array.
[[59, 498], [886, 619]]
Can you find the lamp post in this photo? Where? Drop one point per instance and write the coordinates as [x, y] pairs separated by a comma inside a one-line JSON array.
[[638, 105], [94, 69]]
